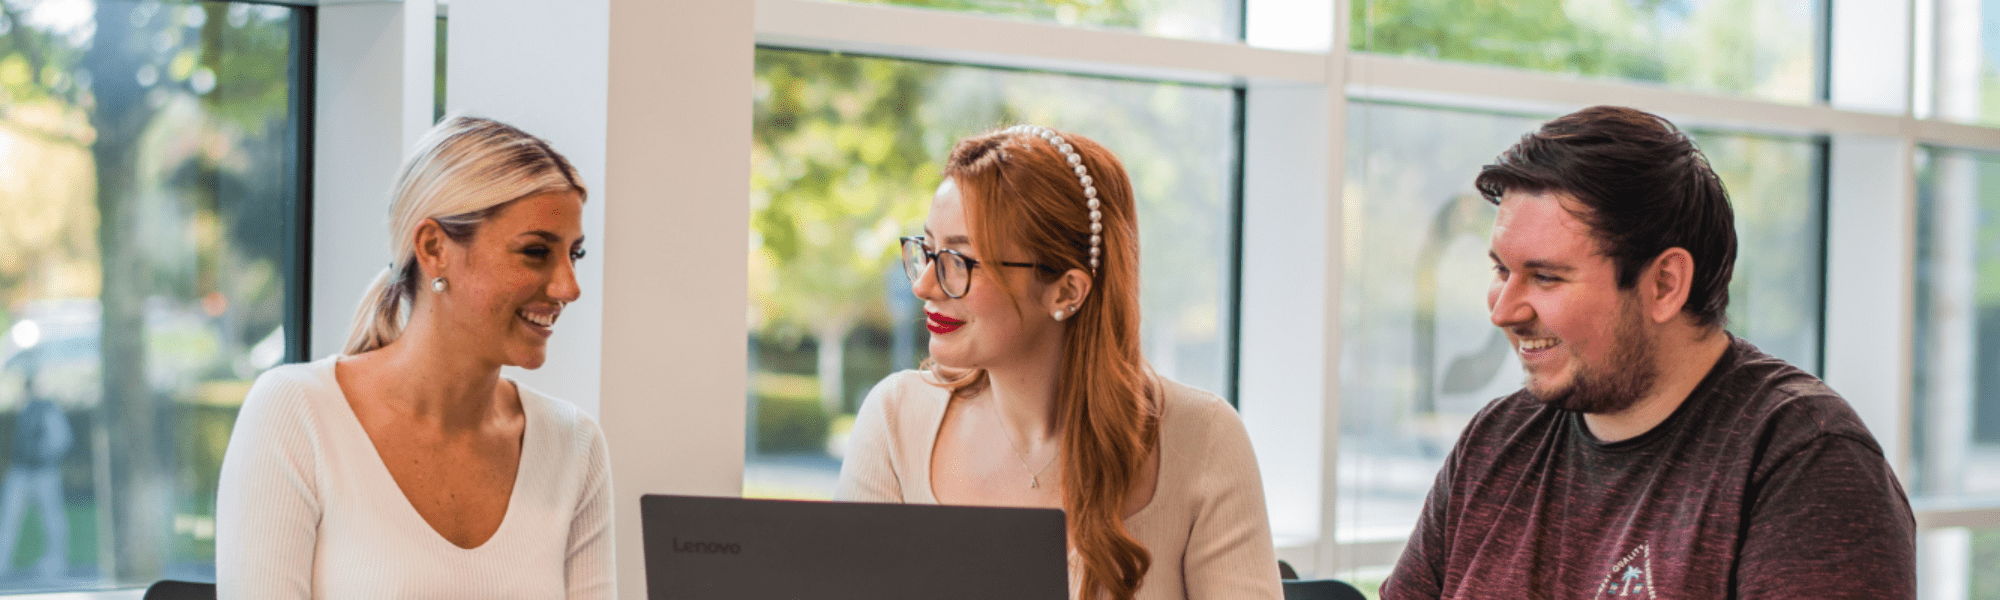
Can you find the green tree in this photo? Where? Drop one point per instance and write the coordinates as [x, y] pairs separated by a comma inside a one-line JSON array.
[[849, 149], [1758, 48], [1122, 14], [839, 175], [1538, 34], [132, 66]]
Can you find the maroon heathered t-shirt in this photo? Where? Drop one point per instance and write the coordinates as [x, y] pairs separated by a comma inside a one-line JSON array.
[[1763, 484]]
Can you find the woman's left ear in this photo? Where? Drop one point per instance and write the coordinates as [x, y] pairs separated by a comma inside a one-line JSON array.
[[1067, 293], [429, 247]]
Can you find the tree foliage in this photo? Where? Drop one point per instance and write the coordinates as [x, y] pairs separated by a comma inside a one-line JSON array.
[[179, 109], [848, 150], [839, 174], [1152, 16], [1758, 48]]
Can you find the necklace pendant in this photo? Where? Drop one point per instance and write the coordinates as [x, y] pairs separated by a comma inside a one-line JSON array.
[[1034, 481]]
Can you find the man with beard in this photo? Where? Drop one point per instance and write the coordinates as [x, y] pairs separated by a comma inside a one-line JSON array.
[[1650, 454]]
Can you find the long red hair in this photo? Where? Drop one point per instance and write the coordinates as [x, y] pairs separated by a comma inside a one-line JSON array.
[[1020, 188]]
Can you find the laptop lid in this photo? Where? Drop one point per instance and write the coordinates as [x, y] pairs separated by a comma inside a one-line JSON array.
[[703, 548]]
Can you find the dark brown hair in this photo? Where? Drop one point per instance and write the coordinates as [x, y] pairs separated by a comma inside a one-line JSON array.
[[1643, 187]]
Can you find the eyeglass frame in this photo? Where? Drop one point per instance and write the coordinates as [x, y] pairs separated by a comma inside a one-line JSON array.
[[931, 260]]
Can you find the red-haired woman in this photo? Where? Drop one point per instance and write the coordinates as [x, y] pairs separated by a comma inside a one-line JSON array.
[[1036, 393]]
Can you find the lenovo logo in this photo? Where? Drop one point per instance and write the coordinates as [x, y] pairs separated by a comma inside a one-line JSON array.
[[699, 547]]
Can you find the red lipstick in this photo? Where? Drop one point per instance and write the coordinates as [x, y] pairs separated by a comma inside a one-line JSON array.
[[940, 324]]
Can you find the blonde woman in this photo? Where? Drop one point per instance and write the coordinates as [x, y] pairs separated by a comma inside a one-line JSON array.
[[407, 467]]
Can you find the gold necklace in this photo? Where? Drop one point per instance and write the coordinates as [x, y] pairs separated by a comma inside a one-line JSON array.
[[1034, 475]]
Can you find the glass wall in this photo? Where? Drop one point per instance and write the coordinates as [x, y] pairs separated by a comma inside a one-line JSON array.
[[149, 252], [1763, 49], [1215, 20], [1956, 410], [847, 153], [1419, 354], [1958, 563], [1963, 52]]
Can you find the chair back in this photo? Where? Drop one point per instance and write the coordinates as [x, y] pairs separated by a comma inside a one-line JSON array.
[[168, 589], [1321, 589]]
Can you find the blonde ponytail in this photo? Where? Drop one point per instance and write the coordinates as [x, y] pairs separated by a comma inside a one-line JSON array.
[[463, 171], [379, 319]]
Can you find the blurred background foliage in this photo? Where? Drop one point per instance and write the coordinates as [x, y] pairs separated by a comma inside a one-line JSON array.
[[147, 188], [1765, 49], [847, 152], [1195, 19]]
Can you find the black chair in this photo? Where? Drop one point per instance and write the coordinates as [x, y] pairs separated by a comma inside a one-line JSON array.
[[1315, 589], [168, 589], [1320, 589]]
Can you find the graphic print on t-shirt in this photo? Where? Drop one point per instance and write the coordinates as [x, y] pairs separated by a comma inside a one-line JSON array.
[[1630, 577]]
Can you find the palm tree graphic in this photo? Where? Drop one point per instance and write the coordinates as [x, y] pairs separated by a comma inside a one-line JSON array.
[[1630, 580]]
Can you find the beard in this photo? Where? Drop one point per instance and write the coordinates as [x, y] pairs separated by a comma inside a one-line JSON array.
[[1616, 386]]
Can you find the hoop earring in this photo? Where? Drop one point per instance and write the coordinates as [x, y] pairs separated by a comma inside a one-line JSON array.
[[437, 285]]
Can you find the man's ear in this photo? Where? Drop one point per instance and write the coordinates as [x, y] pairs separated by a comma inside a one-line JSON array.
[[1067, 292], [1663, 286]]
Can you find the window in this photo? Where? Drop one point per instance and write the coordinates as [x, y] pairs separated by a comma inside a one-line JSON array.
[[149, 270], [1217, 20], [1956, 421], [1763, 49], [1964, 63], [1963, 560], [1420, 355], [1365, 150], [847, 153]]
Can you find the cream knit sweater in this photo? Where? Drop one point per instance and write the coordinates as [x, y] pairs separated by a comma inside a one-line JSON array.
[[1205, 526]]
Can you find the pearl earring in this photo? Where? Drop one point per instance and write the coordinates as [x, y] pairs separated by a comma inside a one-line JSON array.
[[437, 285], [1059, 314]]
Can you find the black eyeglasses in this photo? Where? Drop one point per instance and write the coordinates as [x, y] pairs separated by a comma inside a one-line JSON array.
[[954, 272]]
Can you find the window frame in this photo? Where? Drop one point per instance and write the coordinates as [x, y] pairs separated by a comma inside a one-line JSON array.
[[663, 136], [295, 263], [1326, 81], [298, 315]]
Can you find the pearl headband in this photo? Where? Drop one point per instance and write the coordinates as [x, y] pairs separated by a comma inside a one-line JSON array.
[[1083, 176]]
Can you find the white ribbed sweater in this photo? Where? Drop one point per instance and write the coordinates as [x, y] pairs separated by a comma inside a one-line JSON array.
[[306, 509]]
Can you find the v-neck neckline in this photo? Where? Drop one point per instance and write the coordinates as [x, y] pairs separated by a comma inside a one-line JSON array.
[[936, 429], [386, 480]]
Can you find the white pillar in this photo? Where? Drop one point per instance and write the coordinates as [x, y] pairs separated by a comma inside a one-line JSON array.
[[1870, 247], [1944, 560], [1960, 58], [1284, 340], [1870, 55], [1953, 308], [651, 100], [373, 90], [543, 70]]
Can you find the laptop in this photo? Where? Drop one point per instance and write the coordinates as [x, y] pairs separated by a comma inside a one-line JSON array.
[[705, 548]]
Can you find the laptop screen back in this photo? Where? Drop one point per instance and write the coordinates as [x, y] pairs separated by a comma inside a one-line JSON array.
[[703, 548]]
